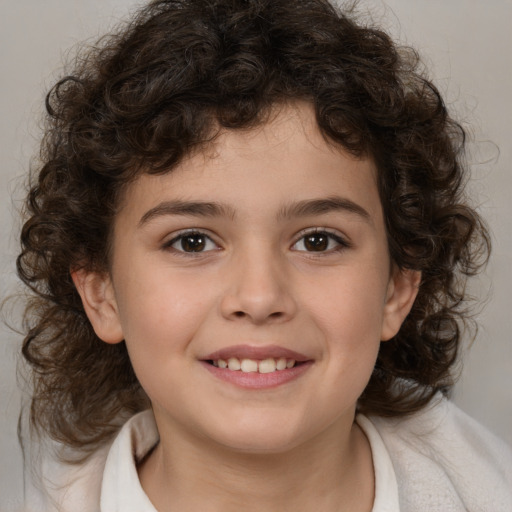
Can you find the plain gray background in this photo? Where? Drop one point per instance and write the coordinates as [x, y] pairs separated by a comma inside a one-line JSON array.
[[467, 45]]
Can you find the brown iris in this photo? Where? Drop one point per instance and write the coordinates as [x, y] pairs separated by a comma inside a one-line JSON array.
[[195, 242], [316, 242]]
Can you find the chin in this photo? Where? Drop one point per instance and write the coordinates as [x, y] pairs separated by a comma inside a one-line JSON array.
[[257, 436], [264, 445]]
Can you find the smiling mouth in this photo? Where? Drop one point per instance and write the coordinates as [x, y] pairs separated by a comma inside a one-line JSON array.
[[246, 365], [257, 367]]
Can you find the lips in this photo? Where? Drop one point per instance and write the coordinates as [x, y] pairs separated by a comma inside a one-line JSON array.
[[256, 367], [256, 352]]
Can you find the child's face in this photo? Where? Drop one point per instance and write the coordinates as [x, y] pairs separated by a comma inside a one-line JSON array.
[[282, 254]]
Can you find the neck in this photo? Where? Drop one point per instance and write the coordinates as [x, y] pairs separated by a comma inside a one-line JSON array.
[[331, 473]]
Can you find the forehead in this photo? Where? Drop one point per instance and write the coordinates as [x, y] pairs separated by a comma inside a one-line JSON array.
[[282, 161]]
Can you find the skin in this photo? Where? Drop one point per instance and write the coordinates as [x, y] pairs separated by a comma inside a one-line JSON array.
[[256, 282]]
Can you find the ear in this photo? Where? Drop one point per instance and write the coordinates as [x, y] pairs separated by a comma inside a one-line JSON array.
[[403, 287], [97, 294]]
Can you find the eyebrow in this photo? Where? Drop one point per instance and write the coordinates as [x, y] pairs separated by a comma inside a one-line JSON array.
[[325, 205], [305, 208], [190, 208]]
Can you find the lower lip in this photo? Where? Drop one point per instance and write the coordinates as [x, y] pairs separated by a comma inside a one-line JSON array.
[[255, 380]]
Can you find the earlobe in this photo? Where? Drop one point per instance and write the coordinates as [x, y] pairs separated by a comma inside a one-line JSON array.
[[402, 290], [97, 294]]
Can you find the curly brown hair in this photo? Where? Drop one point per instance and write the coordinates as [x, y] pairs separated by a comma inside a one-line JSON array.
[[145, 97]]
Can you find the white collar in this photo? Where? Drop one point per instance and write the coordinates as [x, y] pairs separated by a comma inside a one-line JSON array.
[[386, 486], [122, 492]]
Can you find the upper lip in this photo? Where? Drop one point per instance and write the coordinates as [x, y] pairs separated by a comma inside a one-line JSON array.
[[256, 352]]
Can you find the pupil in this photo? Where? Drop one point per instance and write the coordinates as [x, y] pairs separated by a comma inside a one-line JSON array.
[[193, 243], [316, 242]]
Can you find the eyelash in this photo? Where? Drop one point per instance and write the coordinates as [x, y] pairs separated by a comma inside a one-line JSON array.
[[182, 237], [341, 243]]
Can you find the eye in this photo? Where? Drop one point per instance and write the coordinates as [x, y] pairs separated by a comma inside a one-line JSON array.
[[192, 241], [320, 241]]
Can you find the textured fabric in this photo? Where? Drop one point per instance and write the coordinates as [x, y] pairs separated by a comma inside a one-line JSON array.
[[445, 461], [436, 460]]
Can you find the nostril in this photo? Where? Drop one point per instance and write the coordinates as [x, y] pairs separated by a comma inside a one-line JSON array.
[[243, 314]]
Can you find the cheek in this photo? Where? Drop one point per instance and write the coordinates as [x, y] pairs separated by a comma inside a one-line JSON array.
[[349, 317], [154, 297], [160, 323], [350, 304], [160, 315]]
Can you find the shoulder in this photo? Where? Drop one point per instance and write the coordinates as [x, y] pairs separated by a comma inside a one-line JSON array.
[[56, 486], [52, 485], [445, 460]]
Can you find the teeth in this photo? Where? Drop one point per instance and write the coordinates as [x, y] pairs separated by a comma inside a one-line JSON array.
[[246, 365], [249, 365], [281, 363], [267, 366], [234, 363]]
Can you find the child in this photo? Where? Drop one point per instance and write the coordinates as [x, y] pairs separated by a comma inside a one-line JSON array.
[[247, 242]]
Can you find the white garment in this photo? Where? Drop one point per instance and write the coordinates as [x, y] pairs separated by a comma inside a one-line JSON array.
[[438, 460]]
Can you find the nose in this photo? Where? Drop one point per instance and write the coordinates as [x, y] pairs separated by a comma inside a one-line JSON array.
[[258, 290]]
